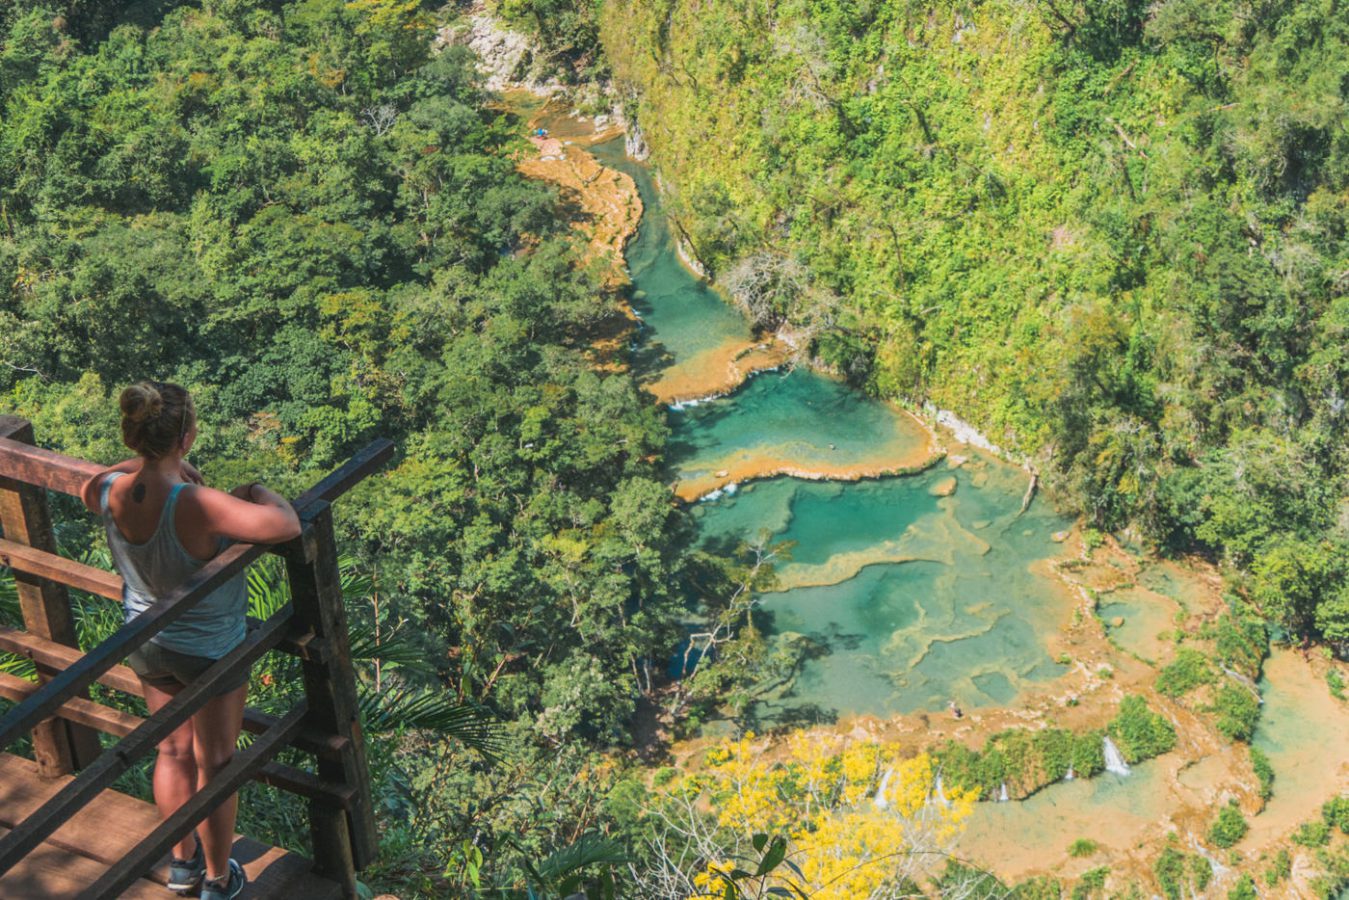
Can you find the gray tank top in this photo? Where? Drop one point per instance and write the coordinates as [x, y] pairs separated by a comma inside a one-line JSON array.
[[152, 570]]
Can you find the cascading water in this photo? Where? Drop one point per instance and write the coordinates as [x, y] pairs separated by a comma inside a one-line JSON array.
[[1002, 793], [1070, 776], [905, 581], [881, 802], [1114, 760], [940, 794]]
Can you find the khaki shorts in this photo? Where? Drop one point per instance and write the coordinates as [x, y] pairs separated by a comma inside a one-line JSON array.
[[172, 671]]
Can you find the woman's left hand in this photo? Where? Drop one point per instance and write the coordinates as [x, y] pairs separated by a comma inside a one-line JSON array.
[[190, 473]]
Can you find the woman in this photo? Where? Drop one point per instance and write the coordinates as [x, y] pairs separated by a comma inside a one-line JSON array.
[[163, 525]]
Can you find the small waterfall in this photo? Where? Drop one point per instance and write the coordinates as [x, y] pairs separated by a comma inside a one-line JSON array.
[[1002, 793], [940, 794], [881, 802], [1070, 776], [1114, 760]]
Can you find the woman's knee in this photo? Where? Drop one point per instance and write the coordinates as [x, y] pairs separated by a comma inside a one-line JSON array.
[[212, 759], [179, 747]]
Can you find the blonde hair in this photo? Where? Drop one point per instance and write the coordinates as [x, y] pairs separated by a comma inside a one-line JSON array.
[[155, 417]]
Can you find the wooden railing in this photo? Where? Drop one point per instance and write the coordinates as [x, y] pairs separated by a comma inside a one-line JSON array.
[[63, 720]]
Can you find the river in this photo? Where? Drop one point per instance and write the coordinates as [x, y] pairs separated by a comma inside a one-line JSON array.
[[918, 588]]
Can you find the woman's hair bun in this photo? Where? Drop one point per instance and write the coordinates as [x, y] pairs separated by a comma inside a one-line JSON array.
[[141, 402]]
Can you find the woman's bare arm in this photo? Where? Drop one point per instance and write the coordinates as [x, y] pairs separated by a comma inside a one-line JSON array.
[[268, 518], [89, 493]]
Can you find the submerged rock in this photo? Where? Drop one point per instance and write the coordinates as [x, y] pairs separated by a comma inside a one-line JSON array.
[[943, 488], [1117, 622], [1059, 537]]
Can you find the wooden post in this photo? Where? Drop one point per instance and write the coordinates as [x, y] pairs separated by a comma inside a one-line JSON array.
[[59, 746], [343, 840]]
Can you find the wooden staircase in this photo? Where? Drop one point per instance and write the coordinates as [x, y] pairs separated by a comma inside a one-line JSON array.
[[63, 831]]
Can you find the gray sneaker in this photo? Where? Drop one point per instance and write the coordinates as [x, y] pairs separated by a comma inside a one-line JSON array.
[[226, 887], [186, 874]]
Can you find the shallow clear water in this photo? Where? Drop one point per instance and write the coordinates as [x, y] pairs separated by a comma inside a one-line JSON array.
[[1014, 839], [911, 599], [1143, 615], [914, 599], [816, 424], [681, 316]]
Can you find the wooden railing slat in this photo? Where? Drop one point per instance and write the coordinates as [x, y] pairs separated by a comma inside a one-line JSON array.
[[59, 656], [121, 678], [120, 724], [74, 574], [173, 829], [112, 763], [45, 468], [128, 638], [77, 709]]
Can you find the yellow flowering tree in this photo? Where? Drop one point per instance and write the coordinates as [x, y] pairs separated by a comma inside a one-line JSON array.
[[856, 820]]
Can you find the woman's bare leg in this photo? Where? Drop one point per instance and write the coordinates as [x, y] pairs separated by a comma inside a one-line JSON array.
[[175, 778], [215, 731]]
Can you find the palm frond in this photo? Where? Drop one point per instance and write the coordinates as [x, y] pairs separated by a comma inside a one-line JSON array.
[[10, 612], [398, 708], [22, 666], [268, 588], [393, 650], [589, 850]]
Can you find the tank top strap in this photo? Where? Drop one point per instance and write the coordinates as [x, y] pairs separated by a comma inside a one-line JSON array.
[[105, 490], [166, 517]]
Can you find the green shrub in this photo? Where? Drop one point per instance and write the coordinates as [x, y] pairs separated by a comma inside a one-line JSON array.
[[1201, 872], [1241, 644], [1336, 682], [1238, 711], [1335, 813], [967, 881], [1189, 670], [1088, 754], [1139, 732], [1280, 868], [1045, 887], [1229, 827], [1244, 889], [1170, 872], [1082, 847], [1312, 834], [1091, 882], [1263, 771]]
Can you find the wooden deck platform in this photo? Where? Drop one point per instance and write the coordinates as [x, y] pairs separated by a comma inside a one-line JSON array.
[[102, 832]]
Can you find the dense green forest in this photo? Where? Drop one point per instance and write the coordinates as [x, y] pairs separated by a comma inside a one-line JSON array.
[[313, 223], [1112, 234]]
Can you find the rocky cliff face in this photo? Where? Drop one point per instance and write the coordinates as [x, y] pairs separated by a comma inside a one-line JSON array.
[[507, 58]]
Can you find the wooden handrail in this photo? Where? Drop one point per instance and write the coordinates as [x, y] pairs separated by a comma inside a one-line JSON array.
[[45, 468], [161, 614], [112, 763], [326, 724]]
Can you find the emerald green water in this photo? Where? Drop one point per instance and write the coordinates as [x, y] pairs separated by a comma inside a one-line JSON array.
[[815, 424], [908, 599], [912, 599], [681, 316]]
